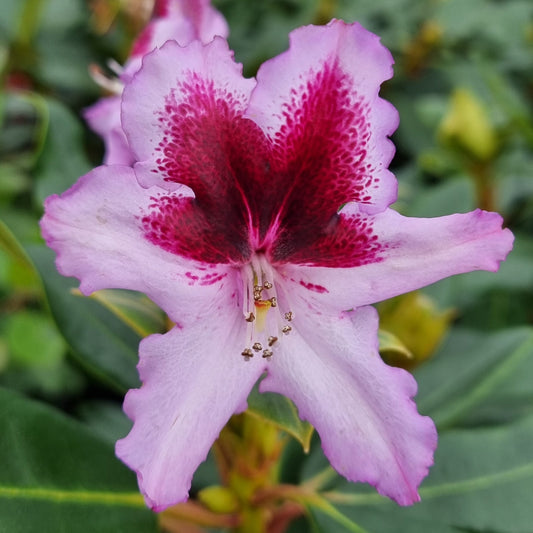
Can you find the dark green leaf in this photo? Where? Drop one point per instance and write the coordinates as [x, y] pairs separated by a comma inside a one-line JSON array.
[[57, 476], [63, 159], [282, 412], [103, 343], [479, 378]]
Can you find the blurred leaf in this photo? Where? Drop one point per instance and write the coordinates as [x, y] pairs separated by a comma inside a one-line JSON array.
[[11, 245], [63, 159], [19, 271], [104, 345], [379, 523], [326, 518], [476, 378], [282, 413], [106, 419], [33, 340], [455, 195], [259, 30], [58, 476], [134, 309], [12, 180]]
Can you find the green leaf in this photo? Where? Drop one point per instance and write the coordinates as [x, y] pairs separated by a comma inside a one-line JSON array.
[[392, 349], [106, 419], [57, 476], [134, 309], [282, 412], [33, 340], [103, 344], [477, 378], [11, 245], [374, 523], [62, 160]]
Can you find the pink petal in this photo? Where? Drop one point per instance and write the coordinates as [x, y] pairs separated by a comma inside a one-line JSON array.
[[402, 254], [97, 232], [194, 379], [318, 103], [180, 108], [104, 118], [180, 20], [362, 409], [207, 21]]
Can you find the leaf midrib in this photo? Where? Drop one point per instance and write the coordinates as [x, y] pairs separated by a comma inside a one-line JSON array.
[[85, 497]]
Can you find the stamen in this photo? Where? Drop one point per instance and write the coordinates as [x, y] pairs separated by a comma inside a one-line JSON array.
[[247, 353], [265, 323], [267, 354]]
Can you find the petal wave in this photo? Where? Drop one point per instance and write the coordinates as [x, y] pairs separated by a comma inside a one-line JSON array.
[[96, 230], [410, 253], [362, 409], [194, 379]]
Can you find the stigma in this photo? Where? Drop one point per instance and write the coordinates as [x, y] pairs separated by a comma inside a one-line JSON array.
[[266, 323]]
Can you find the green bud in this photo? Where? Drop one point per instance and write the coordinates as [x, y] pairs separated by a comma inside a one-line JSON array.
[[219, 499], [467, 126]]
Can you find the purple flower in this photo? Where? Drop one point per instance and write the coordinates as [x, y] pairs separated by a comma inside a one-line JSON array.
[[180, 20], [257, 217]]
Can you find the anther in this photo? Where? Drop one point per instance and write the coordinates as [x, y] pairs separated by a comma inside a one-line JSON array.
[[257, 347], [273, 301], [267, 354], [267, 285], [272, 340], [289, 316], [286, 329], [247, 353], [258, 288], [257, 295], [250, 317]]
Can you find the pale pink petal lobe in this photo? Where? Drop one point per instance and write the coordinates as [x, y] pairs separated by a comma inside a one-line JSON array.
[[96, 228], [194, 378], [402, 254], [362, 408]]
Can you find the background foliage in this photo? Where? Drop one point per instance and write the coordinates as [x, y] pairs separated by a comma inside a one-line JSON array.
[[463, 87]]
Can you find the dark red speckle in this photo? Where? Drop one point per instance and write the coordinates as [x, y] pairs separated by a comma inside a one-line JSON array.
[[313, 287]]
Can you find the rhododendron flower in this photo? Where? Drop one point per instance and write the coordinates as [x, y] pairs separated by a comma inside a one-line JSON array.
[[257, 217], [180, 20]]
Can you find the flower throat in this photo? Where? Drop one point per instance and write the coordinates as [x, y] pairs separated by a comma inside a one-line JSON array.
[[266, 325]]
